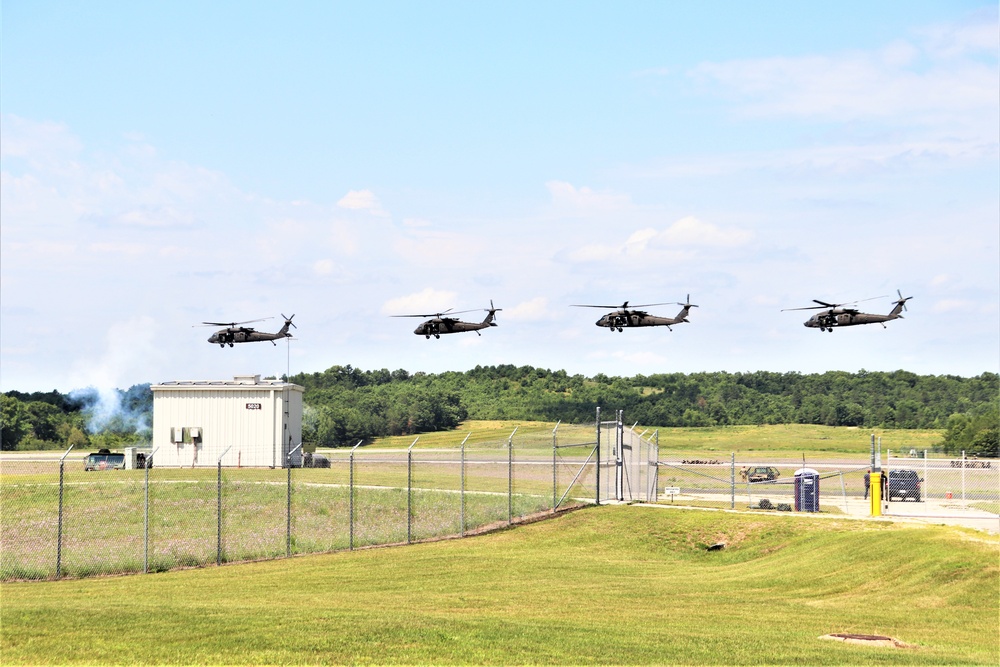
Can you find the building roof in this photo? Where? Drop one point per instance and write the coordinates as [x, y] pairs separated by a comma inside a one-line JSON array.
[[238, 382]]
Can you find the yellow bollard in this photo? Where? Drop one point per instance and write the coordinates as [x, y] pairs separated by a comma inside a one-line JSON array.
[[875, 493]]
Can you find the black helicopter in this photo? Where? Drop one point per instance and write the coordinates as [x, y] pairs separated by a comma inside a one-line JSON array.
[[441, 323], [235, 332], [630, 317], [836, 315]]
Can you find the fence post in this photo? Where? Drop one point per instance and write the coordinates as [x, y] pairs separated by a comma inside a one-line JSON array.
[[927, 486], [218, 514], [59, 530], [409, 490], [732, 481], [963, 475], [288, 508], [145, 517], [597, 468], [461, 477], [843, 488], [351, 493], [619, 454], [656, 464], [510, 476], [218, 511], [555, 444]]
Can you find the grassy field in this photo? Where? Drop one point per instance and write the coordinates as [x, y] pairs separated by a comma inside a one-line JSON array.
[[609, 585], [777, 440]]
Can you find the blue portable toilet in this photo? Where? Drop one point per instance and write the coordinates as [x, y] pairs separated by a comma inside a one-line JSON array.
[[806, 490]]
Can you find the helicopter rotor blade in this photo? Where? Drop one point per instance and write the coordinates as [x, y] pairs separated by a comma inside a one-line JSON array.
[[231, 324], [647, 305], [441, 314], [289, 319], [809, 308], [824, 304]]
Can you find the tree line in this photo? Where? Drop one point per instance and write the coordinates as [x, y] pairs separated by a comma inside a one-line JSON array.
[[345, 404], [84, 418]]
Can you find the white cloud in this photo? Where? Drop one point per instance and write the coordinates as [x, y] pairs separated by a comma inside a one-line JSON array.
[[681, 241], [584, 200], [593, 253], [690, 231], [323, 267], [361, 200], [977, 35], [946, 79], [433, 248], [952, 305], [39, 142], [531, 310], [121, 249]]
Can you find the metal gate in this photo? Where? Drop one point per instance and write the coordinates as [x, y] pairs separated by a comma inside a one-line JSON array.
[[627, 464]]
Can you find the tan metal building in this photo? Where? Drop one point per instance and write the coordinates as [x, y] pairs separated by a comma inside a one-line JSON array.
[[248, 422]]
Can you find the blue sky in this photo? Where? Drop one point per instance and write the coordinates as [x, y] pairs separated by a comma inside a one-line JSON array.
[[165, 164]]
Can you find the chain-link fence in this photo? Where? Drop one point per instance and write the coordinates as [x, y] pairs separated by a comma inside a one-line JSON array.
[[933, 484], [60, 520], [919, 485], [56, 519]]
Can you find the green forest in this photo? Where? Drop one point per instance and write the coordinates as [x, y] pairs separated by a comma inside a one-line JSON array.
[[345, 404]]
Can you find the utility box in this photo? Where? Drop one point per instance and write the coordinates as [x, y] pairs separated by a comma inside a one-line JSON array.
[[248, 422], [806, 490]]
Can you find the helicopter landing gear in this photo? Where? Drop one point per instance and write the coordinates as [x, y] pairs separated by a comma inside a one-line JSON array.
[[427, 336], [619, 329], [222, 345], [438, 336]]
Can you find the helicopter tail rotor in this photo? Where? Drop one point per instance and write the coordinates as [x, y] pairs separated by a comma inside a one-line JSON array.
[[902, 300], [687, 303], [900, 304], [491, 314]]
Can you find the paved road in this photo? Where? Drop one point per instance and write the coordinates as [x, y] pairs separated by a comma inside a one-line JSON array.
[[930, 512]]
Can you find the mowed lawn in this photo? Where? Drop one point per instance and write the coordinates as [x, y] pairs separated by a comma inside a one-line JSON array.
[[603, 585]]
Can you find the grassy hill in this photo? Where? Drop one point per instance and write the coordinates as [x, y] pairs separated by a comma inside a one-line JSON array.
[[779, 439], [608, 585]]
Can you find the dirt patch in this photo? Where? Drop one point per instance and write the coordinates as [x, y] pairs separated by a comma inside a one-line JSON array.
[[867, 640]]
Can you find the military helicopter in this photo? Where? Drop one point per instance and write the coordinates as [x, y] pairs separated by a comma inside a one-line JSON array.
[[836, 315], [235, 332], [441, 323], [626, 317]]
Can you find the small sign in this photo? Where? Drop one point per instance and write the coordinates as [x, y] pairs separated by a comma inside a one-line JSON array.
[[254, 406], [671, 491]]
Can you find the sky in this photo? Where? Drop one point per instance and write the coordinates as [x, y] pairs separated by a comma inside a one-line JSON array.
[[164, 164]]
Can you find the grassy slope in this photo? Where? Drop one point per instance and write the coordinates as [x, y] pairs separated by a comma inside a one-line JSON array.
[[781, 439], [628, 585]]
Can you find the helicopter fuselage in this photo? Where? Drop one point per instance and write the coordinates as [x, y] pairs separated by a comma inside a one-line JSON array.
[[847, 317], [439, 325], [232, 335], [620, 319]]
